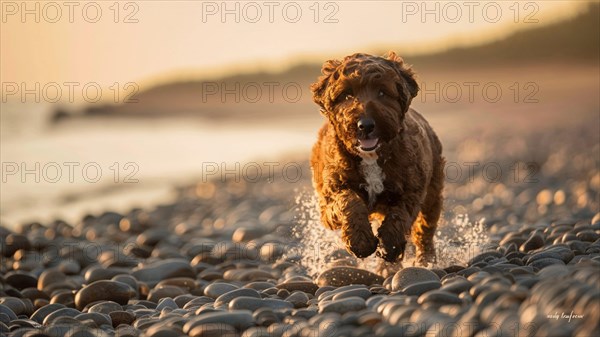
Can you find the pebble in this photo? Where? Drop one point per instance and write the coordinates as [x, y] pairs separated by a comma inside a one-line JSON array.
[[588, 235], [103, 290], [439, 297], [105, 307], [11, 314], [97, 274], [252, 303], [416, 289], [217, 289], [553, 272], [157, 330], [17, 305], [34, 294], [157, 294], [152, 236], [534, 242], [164, 269], [198, 302], [484, 256], [166, 303], [363, 293], [98, 318], [245, 234], [119, 317], [50, 277], [65, 297], [344, 305], [412, 275], [62, 312], [307, 287], [543, 255], [271, 251], [341, 276], [240, 319], [20, 279], [457, 286], [229, 296], [545, 262], [186, 283], [299, 299]]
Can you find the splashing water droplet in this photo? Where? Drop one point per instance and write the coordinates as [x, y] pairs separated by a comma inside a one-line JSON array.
[[316, 244], [459, 240]]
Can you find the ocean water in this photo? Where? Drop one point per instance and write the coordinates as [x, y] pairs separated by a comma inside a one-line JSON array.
[[67, 169]]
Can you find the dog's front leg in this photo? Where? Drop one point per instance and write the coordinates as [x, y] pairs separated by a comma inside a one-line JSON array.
[[352, 215], [394, 229]]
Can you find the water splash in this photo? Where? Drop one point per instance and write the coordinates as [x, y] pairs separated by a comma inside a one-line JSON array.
[[316, 245], [459, 239]]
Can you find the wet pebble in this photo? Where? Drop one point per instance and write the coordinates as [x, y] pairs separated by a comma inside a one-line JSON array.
[[341, 276], [412, 275]]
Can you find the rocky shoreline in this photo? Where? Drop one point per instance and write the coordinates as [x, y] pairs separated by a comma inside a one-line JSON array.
[[234, 258]]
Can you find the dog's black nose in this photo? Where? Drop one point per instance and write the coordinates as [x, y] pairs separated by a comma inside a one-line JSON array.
[[366, 125]]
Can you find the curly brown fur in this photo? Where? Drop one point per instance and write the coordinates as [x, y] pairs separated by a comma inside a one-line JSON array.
[[397, 181]]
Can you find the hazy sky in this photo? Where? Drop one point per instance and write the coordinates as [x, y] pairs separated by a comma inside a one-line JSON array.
[[153, 40]]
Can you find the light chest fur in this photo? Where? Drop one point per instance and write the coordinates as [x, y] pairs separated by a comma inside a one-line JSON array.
[[374, 177]]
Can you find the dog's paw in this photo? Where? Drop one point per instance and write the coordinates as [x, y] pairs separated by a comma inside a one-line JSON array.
[[361, 243], [391, 251], [392, 245]]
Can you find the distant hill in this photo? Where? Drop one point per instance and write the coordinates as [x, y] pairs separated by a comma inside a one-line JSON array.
[[573, 40]]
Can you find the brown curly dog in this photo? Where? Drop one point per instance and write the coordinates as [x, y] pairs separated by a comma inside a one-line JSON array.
[[376, 159]]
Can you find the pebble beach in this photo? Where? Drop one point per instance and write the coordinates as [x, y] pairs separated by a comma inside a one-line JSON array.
[[518, 255]]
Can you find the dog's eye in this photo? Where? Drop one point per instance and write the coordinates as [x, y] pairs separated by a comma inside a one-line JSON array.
[[381, 93], [344, 96]]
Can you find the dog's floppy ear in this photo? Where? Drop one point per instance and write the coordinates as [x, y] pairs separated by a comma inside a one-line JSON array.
[[318, 88], [410, 86]]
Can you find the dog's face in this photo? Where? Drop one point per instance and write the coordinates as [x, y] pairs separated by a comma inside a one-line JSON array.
[[365, 98]]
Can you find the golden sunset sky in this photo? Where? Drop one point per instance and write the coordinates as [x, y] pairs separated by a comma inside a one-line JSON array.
[[155, 41]]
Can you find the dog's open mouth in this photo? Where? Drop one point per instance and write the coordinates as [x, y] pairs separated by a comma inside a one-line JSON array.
[[368, 145]]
